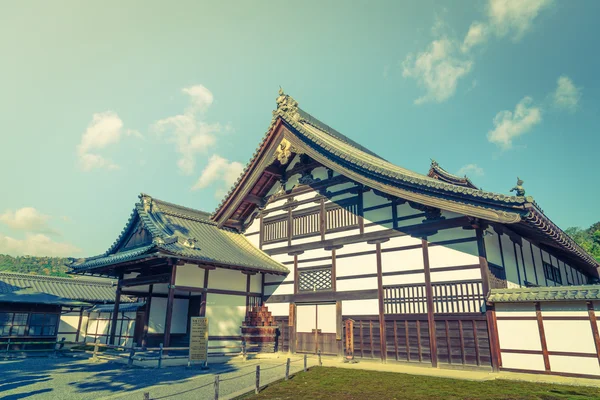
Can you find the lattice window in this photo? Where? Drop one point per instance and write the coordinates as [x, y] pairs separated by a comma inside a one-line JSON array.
[[306, 225], [342, 217], [314, 280], [274, 231], [405, 299]]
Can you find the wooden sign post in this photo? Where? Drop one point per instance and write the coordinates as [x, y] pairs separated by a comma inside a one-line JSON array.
[[349, 341], [199, 341]]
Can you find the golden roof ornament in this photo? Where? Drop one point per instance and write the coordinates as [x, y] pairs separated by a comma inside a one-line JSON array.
[[284, 151], [519, 187], [287, 105], [146, 202]]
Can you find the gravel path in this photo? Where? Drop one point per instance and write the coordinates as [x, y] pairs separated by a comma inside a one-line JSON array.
[[81, 379]]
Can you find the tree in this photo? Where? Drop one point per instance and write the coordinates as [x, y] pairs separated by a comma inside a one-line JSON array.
[[588, 239]]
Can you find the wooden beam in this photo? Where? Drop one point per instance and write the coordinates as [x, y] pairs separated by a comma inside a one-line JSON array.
[[430, 307], [204, 295], [169, 313], [382, 336], [248, 276], [115, 314], [594, 326], [250, 198], [147, 317], [538, 314], [145, 280], [333, 271], [79, 324]]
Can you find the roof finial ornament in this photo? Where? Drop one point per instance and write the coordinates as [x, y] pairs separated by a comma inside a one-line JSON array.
[[434, 163], [519, 187], [287, 105], [146, 202]]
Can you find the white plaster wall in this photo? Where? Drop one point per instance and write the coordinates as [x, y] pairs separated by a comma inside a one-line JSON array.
[[510, 264], [442, 256], [571, 336], [574, 365], [358, 265], [315, 253], [68, 322], [370, 199], [492, 247], [533, 362], [417, 278], [227, 279], [158, 309], [565, 309], [256, 283], [461, 275], [360, 307], [402, 260], [515, 310], [529, 268], [537, 258], [356, 284], [401, 241], [528, 337], [287, 288], [189, 275], [279, 309], [225, 314]]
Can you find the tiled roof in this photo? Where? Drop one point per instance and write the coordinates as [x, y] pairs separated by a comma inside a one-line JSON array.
[[93, 290], [437, 172], [471, 201], [550, 293], [32, 297], [186, 233]]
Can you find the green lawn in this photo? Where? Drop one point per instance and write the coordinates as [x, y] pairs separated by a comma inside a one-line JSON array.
[[341, 383]]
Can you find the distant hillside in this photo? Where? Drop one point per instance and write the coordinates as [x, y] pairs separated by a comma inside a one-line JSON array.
[[52, 266]]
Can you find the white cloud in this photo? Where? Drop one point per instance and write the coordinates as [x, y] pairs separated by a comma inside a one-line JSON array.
[[27, 219], [105, 129], [36, 245], [470, 169], [509, 125], [514, 16], [567, 95], [437, 69], [220, 170], [446, 60], [188, 131]]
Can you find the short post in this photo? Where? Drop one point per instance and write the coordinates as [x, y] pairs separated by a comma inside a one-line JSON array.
[[146, 396], [305, 363], [131, 354], [7, 348], [320, 362], [217, 387], [160, 355], [244, 354], [287, 369], [96, 345], [257, 387]]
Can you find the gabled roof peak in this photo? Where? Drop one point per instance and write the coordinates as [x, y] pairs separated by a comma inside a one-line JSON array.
[[439, 173]]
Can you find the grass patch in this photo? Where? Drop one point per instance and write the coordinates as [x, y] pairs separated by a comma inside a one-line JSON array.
[[341, 383]]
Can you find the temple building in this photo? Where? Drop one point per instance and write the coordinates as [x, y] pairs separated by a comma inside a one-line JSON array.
[[327, 237]]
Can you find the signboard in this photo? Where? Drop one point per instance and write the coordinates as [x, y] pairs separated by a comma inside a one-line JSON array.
[[199, 339], [349, 340]]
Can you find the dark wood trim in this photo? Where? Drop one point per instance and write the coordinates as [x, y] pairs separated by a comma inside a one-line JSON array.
[[361, 213], [323, 296], [145, 280], [115, 313], [296, 273], [290, 227], [417, 229], [517, 264], [453, 241], [377, 207], [538, 313], [545, 318], [260, 232], [524, 265], [158, 295], [232, 292], [456, 268], [278, 283], [382, 335], [490, 312], [204, 295], [170, 301], [248, 291], [543, 270], [534, 266], [79, 324], [594, 326], [147, 316], [551, 353], [333, 270], [430, 307]]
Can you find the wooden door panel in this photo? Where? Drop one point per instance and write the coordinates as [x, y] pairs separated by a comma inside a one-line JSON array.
[[326, 318], [305, 342], [327, 344]]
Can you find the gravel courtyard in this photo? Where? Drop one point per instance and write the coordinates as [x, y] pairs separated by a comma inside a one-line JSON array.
[[80, 379]]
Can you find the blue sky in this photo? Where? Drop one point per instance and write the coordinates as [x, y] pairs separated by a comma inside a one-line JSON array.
[[101, 101]]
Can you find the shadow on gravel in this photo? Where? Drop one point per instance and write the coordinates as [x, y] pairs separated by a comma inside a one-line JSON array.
[[26, 394]]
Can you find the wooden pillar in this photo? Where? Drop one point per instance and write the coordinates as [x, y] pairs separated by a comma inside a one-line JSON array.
[[538, 314], [490, 313], [594, 326], [292, 327], [204, 294], [79, 324], [382, 335], [322, 219], [296, 274], [430, 308], [247, 292], [333, 270], [170, 300], [147, 317], [115, 313]]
